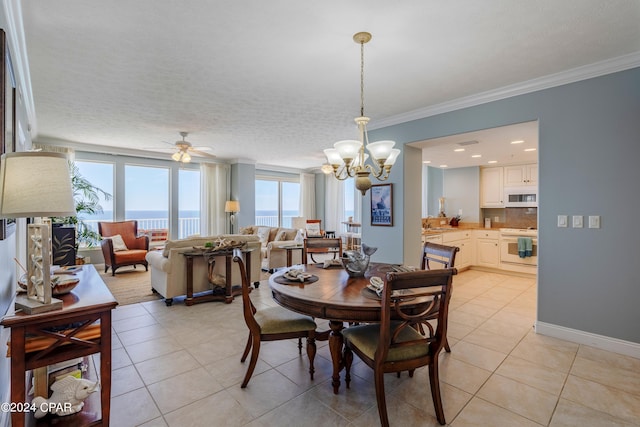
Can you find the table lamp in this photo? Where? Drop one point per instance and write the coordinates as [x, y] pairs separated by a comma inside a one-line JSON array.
[[36, 184], [232, 206]]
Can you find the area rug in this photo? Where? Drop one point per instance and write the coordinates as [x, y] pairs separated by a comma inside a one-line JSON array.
[[129, 285]]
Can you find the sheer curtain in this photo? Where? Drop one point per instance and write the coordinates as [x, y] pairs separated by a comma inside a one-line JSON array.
[[215, 189], [334, 204], [308, 195]]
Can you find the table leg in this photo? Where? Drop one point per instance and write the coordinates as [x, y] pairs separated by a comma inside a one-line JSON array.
[[289, 257], [18, 368], [105, 366], [228, 294], [336, 342], [189, 300]]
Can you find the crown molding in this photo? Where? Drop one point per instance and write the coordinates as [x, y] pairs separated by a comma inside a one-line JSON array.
[[585, 72]]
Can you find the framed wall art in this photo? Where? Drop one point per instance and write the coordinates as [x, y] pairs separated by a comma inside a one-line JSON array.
[[382, 205], [7, 117]]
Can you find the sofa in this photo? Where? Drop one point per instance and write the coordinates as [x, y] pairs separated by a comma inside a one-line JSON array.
[[169, 267], [272, 243]]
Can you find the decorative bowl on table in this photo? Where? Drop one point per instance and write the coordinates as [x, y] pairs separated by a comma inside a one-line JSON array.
[[60, 283]]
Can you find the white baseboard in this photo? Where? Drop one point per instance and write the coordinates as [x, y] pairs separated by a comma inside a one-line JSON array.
[[602, 342]]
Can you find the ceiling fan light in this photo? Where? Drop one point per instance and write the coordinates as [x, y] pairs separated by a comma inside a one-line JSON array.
[[348, 149], [380, 150], [391, 160], [186, 158], [176, 156]]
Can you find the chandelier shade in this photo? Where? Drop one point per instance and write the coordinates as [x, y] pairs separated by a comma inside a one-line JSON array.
[[347, 158]]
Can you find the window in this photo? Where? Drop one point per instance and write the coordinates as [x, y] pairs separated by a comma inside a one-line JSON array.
[[147, 196], [277, 201], [350, 199], [188, 202], [100, 175]]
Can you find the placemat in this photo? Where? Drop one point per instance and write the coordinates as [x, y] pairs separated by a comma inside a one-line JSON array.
[[284, 281]]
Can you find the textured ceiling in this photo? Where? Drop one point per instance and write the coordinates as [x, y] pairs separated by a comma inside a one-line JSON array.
[[277, 81]]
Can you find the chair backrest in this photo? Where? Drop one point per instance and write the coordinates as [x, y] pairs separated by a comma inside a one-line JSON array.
[[322, 245], [443, 254], [248, 309], [434, 286], [127, 229]]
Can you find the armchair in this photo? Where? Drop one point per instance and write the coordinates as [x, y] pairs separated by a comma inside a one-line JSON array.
[[134, 251]]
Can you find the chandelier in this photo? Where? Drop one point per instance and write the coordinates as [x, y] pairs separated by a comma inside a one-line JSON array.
[[348, 158]]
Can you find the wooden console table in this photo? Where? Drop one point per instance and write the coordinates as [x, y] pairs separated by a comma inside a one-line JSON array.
[[62, 335], [230, 291]]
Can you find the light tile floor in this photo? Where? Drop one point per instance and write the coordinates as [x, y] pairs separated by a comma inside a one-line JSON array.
[[180, 366]]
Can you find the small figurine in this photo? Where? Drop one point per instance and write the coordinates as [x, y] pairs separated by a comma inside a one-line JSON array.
[[68, 397]]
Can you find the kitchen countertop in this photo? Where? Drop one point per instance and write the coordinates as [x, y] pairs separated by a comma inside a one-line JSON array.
[[440, 230]]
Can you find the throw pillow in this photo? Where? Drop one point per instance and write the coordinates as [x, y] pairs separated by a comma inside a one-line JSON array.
[[313, 229], [118, 243], [248, 230], [263, 235], [281, 236]]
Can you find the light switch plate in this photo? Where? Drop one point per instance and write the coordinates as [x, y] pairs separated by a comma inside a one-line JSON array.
[[562, 220], [594, 221], [577, 221]]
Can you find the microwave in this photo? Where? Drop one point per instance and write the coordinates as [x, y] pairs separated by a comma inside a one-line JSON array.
[[521, 197]]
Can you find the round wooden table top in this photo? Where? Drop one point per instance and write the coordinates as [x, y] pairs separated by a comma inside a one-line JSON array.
[[334, 296]]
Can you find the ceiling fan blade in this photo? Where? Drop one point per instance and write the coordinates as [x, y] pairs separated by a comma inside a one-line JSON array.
[[202, 153]]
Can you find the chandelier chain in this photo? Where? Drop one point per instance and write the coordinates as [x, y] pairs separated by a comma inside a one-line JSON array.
[[362, 79]]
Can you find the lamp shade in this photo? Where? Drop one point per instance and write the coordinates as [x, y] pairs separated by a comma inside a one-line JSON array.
[[35, 184], [348, 149], [232, 206]]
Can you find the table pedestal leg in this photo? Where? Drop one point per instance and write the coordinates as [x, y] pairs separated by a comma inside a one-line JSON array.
[[336, 341]]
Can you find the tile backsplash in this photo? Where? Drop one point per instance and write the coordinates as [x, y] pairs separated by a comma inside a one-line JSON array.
[[512, 217]]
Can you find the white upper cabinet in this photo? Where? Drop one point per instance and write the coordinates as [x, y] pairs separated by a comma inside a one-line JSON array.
[[521, 175], [491, 188]]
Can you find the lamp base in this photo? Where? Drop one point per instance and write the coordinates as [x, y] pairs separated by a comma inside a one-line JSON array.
[[33, 306]]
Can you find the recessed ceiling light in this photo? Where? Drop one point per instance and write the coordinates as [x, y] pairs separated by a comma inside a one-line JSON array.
[[519, 141], [427, 161], [529, 149], [475, 156], [443, 166], [458, 149], [492, 161]]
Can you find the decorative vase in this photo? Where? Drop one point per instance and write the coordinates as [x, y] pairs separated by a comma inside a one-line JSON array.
[[356, 263]]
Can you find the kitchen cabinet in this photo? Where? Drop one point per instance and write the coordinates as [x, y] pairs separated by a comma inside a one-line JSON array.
[[521, 175], [433, 238], [491, 188], [461, 239], [487, 248]]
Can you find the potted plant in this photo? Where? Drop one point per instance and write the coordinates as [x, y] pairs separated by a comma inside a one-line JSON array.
[[69, 232]]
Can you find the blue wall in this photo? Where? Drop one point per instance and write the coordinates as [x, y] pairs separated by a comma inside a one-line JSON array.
[[589, 149]]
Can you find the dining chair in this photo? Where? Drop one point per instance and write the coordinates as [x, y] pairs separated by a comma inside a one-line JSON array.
[[272, 324], [321, 246], [406, 338], [442, 254]]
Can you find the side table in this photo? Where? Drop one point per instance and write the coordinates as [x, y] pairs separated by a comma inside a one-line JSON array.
[[290, 250], [230, 291], [62, 335]]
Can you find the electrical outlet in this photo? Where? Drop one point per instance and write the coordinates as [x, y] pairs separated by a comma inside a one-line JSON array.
[[562, 220], [594, 221], [577, 221]]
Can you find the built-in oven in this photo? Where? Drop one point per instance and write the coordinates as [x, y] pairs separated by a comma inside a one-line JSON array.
[[521, 197], [510, 249]]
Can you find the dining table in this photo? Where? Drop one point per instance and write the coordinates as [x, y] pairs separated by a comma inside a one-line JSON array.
[[333, 295]]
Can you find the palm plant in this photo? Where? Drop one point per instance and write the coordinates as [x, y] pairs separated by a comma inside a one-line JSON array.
[[87, 199]]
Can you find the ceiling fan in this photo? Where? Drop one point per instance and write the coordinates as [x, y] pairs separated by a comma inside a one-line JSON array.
[[185, 149]]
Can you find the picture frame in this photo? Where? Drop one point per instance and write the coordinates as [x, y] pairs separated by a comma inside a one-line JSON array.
[[7, 117], [382, 205]]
